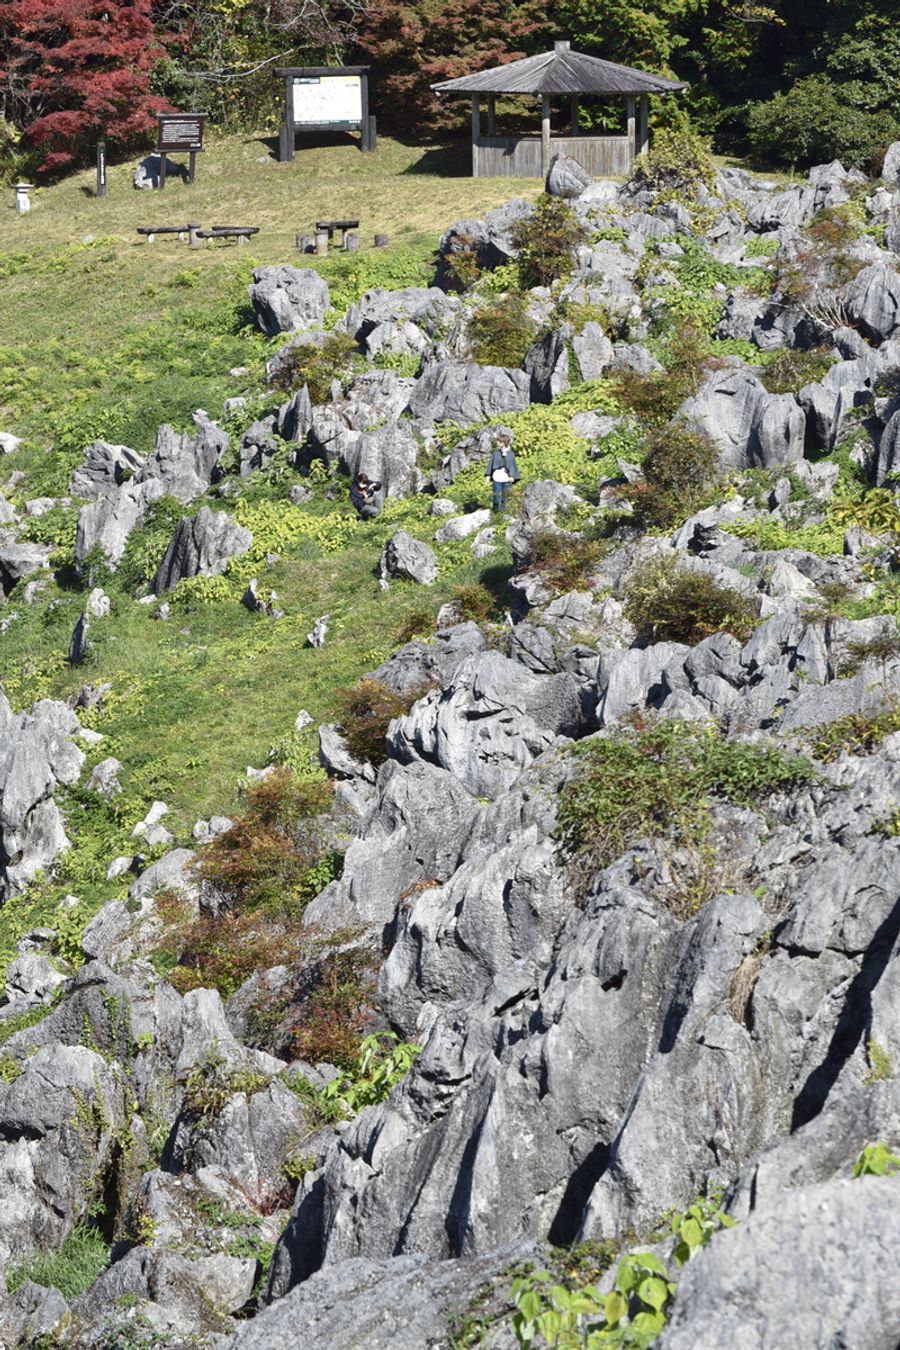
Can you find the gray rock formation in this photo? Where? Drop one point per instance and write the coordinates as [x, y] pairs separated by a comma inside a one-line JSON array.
[[566, 177], [450, 391], [872, 301], [408, 559], [201, 546], [288, 299], [105, 468], [185, 465], [36, 755], [105, 523], [750, 426]]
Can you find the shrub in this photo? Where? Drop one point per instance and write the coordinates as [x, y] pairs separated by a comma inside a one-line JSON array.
[[814, 122], [821, 262], [668, 603], [384, 1060], [475, 604], [221, 951], [501, 333], [462, 267], [315, 365], [211, 1082], [656, 397], [417, 623], [679, 158], [790, 370], [655, 782], [270, 857], [547, 242], [563, 559], [680, 467], [365, 712], [857, 734], [331, 1012]]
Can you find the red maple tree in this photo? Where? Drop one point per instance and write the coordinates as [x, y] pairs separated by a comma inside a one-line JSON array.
[[78, 72], [414, 45]]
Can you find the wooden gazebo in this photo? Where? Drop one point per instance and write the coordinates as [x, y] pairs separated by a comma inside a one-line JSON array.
[[560, 72]]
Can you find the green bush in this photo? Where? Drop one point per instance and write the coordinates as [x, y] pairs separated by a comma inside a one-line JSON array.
[[501, 332], [656, 782], [790, 370], [563, 559], [667, 603], [547, 242], [815, 121], [315, 365], [680, 469], [856, 734], [679, 158], [366, 710], [656, 397]]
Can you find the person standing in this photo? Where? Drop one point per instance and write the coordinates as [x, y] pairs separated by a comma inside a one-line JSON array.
[[501, 467]]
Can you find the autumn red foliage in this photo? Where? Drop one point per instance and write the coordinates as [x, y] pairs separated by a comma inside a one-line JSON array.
[[79, 72], [416, 45]]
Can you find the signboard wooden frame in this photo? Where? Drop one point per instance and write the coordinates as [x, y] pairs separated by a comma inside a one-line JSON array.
[[179, 134], [317, 78]]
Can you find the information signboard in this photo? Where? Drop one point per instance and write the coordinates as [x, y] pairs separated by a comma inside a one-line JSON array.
[[327, 101], [180, 132]]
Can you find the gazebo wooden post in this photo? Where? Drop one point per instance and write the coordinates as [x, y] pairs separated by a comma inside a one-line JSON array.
[[476, 132], [632, 138], [573, 115], [643, 135], [545, 134], [492, 110]]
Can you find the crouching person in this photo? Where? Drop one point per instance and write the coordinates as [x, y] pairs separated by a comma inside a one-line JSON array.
[[367, 495]]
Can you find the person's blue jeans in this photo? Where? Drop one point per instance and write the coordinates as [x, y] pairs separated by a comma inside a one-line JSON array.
[[501, 492]]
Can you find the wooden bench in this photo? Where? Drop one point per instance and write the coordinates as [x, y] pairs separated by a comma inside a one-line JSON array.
[[330, 226], [239, 232], [151, 231]]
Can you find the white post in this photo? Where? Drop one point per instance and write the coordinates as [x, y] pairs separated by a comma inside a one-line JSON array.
[[23, 204], [632, 143], [545, 134], [476, 132]]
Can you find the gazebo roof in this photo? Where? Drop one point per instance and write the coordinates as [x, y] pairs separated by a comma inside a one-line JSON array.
[[561, 71]]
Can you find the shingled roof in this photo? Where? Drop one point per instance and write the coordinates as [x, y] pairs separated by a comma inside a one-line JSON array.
[[561, 71]]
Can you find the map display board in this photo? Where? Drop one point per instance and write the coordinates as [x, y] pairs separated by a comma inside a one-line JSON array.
[[327, 101]]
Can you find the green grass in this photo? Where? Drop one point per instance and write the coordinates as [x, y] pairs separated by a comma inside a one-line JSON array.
[[71, 1270]]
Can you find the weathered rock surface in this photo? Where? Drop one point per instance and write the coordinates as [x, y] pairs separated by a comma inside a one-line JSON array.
[[201, 546], [409, 560], [288, 299], [465, 393]]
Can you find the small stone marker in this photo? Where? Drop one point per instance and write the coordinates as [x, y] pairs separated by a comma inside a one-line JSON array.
[[23, 203], [381, 241], [322, 243], [351, 243]]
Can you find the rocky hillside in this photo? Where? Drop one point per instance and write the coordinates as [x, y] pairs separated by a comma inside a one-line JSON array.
[[537, 987]]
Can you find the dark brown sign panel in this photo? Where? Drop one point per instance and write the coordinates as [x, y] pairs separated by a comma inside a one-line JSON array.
[[180, 131]]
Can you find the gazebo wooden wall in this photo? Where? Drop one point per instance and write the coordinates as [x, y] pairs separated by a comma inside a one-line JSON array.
[[529, 156]]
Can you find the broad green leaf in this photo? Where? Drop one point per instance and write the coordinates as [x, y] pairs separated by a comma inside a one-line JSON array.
[[654, 1292]]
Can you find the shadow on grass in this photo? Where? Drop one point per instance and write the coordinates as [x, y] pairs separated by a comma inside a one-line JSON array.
[[444, 161], [495, 579]]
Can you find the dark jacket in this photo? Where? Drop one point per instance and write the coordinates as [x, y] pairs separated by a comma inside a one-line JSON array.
[[503, 459]]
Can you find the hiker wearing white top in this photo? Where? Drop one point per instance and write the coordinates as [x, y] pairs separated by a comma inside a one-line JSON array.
[[502, 468]]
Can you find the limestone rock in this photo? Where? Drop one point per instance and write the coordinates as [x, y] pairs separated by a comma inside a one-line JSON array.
[[201, 546], [288, 299], [408, 559]]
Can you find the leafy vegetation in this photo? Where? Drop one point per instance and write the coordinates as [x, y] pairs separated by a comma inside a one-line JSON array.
[[384, 1060], [316, 365], [575, 1314], [547, 241], [669, 603], [564, 560], [365, 713], [680, 470], [855, 734], [656, 782], [501, 332], [876, 1160]]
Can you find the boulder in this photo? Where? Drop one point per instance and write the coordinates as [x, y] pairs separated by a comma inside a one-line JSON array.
[[566, 177], [517, 714], [547, 362], [201, 546], [886, 465], [890, 170], [872, 301], [104, 468], [408, 559], [79, 646], [812, 1269], [460, 527], [750, 426], [398, 320], [185, 465], [593, 351], [288, 299], [20, 560], [489, 239], [36, 755], [449, 391], [106, 522], [295, 417], [149, 170]]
